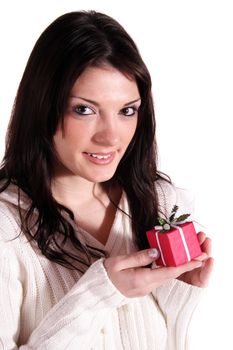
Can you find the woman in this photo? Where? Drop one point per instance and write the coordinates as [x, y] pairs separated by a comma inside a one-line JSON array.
[[79, 189]]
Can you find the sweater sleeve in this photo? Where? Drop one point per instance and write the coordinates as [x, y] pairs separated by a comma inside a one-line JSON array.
[[79, 316], [70, 324], [178, 300]]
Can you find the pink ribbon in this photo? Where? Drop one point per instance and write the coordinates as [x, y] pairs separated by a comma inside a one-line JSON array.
[[159, 228]]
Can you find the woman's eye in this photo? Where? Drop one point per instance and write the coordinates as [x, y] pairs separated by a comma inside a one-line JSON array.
[[83, 110], [129, 111]]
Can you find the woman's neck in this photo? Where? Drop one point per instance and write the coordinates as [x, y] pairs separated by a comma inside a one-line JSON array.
[[76, 192], [73, 192], [90, 203]]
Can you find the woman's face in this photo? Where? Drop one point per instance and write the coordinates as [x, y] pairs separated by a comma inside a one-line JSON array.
[[99, 123]]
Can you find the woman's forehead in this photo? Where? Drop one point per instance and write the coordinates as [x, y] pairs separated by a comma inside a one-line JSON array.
[[105, 82]]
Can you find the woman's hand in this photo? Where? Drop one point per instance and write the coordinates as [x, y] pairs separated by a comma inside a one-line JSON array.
[[130, 276], [200, 277]]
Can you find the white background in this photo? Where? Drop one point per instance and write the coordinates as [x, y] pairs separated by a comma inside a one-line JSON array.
[[187, 46]]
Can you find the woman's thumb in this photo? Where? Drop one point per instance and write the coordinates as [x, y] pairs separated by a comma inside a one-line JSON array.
[[141, 258]]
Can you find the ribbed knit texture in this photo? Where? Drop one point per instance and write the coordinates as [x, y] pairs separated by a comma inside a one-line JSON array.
[[44, 306]]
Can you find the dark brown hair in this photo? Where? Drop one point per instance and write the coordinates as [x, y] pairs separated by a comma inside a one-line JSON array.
[[65, 49]]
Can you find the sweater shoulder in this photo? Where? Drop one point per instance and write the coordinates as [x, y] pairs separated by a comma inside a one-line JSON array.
[[170, 195], [9, 222]]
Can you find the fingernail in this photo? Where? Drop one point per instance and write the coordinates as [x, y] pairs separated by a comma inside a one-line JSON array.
[[153, 253]]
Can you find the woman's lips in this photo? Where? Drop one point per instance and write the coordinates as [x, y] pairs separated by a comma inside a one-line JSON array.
[[100, 158]]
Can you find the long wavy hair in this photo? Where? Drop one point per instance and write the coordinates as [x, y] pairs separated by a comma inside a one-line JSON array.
[[64, 50]]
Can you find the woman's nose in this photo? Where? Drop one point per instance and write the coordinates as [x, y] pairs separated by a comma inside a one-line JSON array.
[[107, 134]]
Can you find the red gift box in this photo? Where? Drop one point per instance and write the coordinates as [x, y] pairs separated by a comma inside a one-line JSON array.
[[177, 246]]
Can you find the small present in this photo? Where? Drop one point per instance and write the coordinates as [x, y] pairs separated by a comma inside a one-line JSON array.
[[175, 239]]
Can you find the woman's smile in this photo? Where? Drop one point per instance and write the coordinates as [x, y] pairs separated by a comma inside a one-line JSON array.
[[100, 158], [99, 124]]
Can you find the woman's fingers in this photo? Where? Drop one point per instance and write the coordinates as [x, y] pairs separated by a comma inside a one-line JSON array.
[[206, 246], [206, 272], [131, 278], [200, 277], [134, 260], [205, 243], [201, 237], [174, 272]]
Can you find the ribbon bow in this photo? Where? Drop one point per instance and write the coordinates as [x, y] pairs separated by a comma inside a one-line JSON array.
[[172, 222]]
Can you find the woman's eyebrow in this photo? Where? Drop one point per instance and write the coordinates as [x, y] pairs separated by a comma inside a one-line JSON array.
[[97, 104], [130, 102]]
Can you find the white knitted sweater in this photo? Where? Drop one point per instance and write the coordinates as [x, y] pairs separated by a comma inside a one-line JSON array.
[[45, 306]]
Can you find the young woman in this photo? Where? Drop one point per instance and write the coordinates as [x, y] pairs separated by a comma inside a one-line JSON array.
[[79, 188]]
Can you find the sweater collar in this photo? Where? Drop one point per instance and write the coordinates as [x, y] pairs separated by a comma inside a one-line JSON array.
[[13, 195]]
